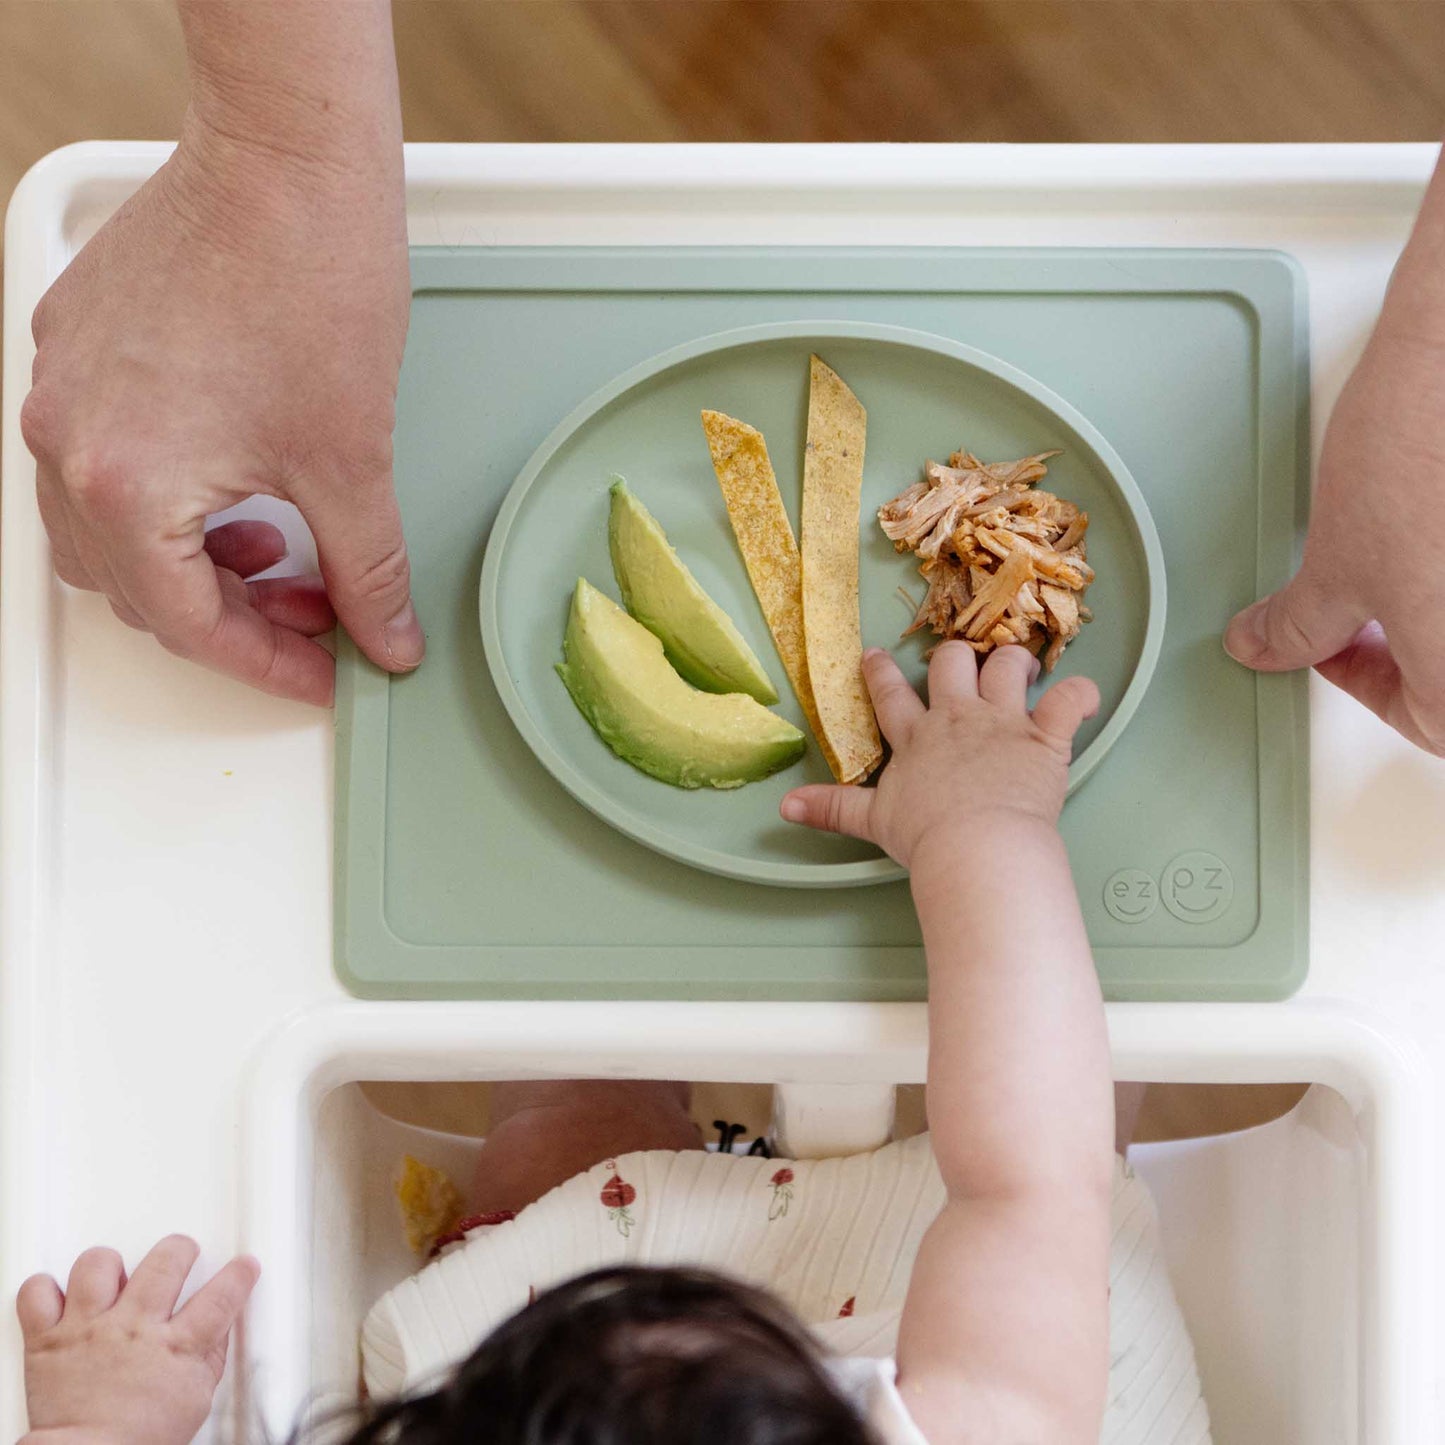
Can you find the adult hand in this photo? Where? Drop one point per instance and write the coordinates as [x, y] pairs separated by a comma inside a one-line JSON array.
[[1367, 607], [237, 328], [112, 1361]]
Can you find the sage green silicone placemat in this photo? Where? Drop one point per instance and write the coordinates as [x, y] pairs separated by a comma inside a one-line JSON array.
[[464, 869]]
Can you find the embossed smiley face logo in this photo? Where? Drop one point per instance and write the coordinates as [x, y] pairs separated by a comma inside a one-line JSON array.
[[1197, 887], [1130, 895]]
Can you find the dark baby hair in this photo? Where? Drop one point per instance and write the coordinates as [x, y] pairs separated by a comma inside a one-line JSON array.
[[631, 1356]]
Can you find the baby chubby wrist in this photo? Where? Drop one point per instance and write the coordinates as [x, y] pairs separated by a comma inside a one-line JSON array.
[[971, 851]]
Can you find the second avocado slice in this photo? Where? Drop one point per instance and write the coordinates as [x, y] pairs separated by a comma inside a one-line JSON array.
[[699, 638], [643, 711]]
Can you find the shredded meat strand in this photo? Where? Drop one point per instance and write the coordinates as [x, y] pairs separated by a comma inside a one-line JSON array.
[[1004, 562]]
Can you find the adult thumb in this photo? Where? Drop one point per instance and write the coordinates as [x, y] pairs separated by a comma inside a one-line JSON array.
[[368, 577], [1303, 623]]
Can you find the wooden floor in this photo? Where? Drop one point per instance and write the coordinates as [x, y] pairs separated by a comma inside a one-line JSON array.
[[818, 70], [772, 70]]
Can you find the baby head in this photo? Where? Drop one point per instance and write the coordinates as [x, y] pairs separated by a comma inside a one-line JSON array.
[[632, 1356]]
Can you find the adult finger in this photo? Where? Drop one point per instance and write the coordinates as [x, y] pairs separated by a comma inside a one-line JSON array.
[[1005, 676], [368, 577], [1368, 671], [205, 1320], [160, 1277], [180, 596], [38, 1305], [90, 547], [1415, 647], [1061, 710], [69, 568], [297, 603], [831, 808], [246, 547], [952, 672], [895, 702], [215, 1358], [128, 615], [55, 517], [96, 1280], [1303, 623]]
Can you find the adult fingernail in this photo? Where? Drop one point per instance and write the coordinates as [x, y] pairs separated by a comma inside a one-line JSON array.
[[1035, 669], [402, 638], [1244, 638], [793, 810]]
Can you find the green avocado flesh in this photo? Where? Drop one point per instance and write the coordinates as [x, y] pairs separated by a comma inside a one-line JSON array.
[[658, 590], [622, 684]]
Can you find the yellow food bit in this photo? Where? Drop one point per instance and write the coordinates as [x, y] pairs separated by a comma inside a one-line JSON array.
[[430, 1203]]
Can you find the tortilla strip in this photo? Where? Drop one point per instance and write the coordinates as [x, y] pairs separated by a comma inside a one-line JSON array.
[[765, 538], [832, 493]]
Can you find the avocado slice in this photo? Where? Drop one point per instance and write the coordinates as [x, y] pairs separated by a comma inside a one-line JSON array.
[[621, 682], [658, 590]]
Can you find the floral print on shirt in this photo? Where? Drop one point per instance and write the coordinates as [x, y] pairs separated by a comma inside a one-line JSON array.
[[617, 1197], [782, 1186]]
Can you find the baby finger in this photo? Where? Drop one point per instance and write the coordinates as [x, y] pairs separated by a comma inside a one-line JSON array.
[[1061, 710], [39, 1305], [895, 702], [831, 807], [1005, 677]]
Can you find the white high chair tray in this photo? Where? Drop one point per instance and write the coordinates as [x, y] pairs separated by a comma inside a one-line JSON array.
[[167, 1004]]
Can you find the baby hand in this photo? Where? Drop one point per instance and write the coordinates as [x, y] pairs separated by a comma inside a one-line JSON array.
[[974, 750], [113, 1362]]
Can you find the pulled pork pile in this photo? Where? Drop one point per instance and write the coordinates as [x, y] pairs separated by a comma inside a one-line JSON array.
[[1004, 563]]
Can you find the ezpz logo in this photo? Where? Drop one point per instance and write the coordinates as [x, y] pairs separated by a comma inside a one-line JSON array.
[[1131, 895], [1196, 887]]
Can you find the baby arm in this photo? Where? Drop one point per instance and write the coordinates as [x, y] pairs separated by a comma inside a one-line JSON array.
[[1005, 1330], [112, 1361]]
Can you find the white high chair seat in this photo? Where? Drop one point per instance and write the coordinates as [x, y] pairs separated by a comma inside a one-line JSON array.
[[1261, 1230], [821, 1121]]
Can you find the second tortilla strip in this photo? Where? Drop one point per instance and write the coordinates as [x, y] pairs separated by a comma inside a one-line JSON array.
[[832, 495], [765, 538]]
